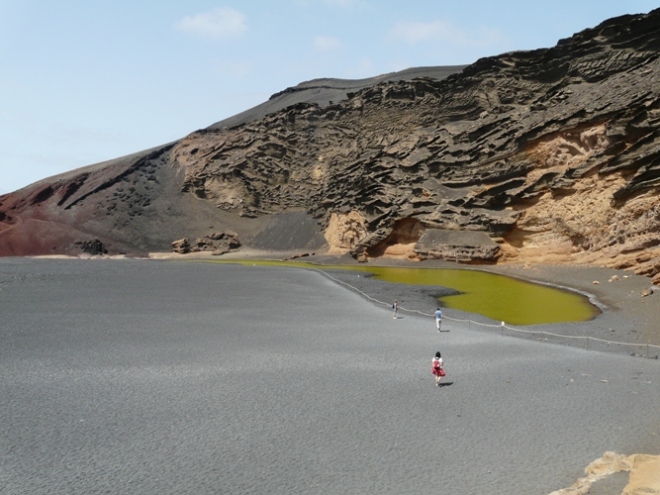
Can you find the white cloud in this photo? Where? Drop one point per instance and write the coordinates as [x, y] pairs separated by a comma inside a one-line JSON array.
[[223, 22], [327, 43], [438, 30]]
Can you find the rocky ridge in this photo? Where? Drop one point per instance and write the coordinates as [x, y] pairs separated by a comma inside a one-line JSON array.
[[550, 155]]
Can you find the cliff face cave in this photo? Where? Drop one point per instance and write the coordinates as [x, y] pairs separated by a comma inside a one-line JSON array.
[[401, 240]]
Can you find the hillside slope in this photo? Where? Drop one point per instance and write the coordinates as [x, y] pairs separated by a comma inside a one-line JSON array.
[[546, 155]]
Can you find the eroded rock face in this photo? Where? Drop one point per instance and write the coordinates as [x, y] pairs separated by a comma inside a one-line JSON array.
[[552, 154], [345, 231], [547, 155]]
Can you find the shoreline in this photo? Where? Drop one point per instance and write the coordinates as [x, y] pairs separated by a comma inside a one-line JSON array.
[[626, 317]]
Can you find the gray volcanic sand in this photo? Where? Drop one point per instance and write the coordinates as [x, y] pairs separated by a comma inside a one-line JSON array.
[[156, 377]]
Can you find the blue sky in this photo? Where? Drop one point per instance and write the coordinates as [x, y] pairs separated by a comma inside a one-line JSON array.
[[83, 81]]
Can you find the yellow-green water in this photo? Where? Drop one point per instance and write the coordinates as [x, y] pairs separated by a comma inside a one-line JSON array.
[[498, 297]]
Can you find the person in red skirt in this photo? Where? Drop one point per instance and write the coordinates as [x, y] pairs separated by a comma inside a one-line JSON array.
[[436, 368]]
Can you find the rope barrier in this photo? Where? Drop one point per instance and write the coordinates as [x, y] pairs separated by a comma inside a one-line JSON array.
[[502, 325]]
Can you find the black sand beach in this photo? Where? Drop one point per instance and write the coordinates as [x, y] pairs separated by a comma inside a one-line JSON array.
[[164, 377]]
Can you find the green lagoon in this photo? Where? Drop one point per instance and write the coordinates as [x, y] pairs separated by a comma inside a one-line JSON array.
[[499, 297]]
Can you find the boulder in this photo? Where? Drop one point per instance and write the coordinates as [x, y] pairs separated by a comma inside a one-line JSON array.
[[181, 246], [217, 243]]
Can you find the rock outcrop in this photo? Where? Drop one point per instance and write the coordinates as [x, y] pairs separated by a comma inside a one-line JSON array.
[[550, 155], [217, 243], [94, 247]]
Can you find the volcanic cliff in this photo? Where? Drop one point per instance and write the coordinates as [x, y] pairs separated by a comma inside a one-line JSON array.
[[551, 155]]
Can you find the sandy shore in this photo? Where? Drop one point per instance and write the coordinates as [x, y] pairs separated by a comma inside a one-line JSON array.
[[148, 377]]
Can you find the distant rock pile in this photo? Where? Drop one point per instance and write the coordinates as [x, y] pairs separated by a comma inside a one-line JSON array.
[[217, 243], [94, 247]]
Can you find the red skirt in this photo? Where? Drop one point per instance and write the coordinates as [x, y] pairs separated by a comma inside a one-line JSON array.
[[438, 371]]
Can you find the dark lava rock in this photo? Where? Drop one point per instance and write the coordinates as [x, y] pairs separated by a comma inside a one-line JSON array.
[[93, 247]]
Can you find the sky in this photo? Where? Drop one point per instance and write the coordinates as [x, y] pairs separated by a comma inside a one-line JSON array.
[[84, 81]]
